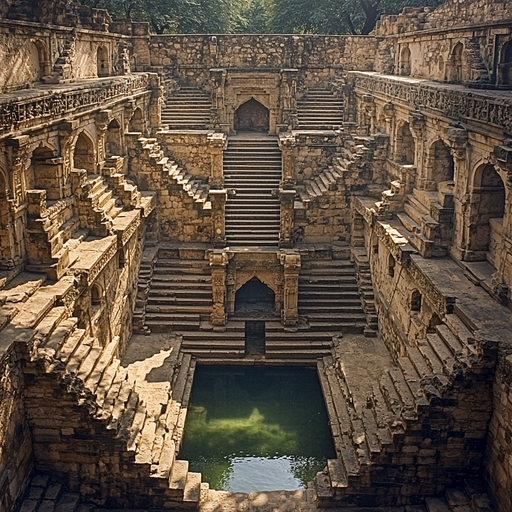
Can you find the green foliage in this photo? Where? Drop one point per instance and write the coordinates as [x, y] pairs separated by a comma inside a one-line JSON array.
[[257, 16]]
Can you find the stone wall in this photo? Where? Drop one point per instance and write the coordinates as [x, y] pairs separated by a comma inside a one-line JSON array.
[[190, 57], [498, 463], [16, 460]]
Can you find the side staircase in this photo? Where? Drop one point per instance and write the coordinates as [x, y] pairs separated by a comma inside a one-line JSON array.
[[375, 420], [100, 412], [253, 171], [180, 295], [329, 296], [320, 109], [188, 108]]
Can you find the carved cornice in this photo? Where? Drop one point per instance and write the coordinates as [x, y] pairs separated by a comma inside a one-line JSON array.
[[23, 113], [453, 103]]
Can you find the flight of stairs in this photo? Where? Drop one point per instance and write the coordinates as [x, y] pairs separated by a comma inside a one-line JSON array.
[[329, 296], [319, 109], [376, 418], [180, 295], [253, 169], [187, 109]]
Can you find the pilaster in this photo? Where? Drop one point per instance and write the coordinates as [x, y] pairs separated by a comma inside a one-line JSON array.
[[291, 265]]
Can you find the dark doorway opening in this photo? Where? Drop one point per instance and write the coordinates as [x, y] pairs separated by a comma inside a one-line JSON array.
[[252, 116], [254, 338], [254, 297]]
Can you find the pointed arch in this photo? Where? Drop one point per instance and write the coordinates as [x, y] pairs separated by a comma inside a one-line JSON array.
[[405, 145], [102, 62], [441, 165], [252, 116], [137, 122], [113, 139], [84, 155], [254, 297], [457, 62], [405, 61], [505, 66]]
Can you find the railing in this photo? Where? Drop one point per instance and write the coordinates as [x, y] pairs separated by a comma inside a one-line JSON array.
[[16, 113]]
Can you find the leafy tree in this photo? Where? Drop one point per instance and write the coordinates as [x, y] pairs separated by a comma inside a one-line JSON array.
[[337, 16], [254, 18]]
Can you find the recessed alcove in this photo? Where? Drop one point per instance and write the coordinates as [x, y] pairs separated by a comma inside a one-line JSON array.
[[254, 297], [252, 116]]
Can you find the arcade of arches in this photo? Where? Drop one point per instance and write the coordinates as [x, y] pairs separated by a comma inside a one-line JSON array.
[[339, 202]]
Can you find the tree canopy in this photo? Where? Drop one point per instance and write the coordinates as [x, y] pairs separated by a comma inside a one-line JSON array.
[[258, 16]]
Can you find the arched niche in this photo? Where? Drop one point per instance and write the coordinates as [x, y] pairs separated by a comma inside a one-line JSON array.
[[487, 212], [137, 122], [456, 62], [102, 62], [405, 61], [35, 62], [83, 156], [405, 145], [441, 163], [252, 116], [255, 297], [45, 173], [505, 67], [415, 304], [113, 139]]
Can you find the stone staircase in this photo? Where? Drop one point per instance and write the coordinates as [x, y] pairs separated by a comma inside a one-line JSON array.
[[320, 109], [147, 156], [180, 295], [329, 296], [426, 218], [118, 421], [188, 108], [374, 420], [253, 170]]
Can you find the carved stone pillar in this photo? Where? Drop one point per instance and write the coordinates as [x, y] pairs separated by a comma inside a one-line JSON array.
[[287, 142], [349, 108], [288, 101], [218, 111], [156, 102], [217, 143], [417, 125], [287, 201], [218, 262], [368, 114], [218, 200], [67, 140], [291, 264], [102, 120]]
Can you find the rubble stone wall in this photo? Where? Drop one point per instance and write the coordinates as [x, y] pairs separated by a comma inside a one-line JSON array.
[[16, 461]]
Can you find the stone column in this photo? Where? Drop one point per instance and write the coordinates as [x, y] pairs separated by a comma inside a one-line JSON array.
[[458, 139], [217, 143], [287, 142], [287, 201], [288, 119], [156, 102], [417, 124], [291, 263], [218, 261], [349, 107], [218, 200], [218, 112], [103, 118]]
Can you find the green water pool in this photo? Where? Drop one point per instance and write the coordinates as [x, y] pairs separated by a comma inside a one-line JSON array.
[[257, 428]]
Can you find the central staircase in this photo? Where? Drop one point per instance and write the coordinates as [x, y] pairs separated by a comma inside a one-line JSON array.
[[319, 109], [252, 170]]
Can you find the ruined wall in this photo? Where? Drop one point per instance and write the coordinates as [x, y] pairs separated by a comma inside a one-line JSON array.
[[190, 57], [498, 461], [16, 459]]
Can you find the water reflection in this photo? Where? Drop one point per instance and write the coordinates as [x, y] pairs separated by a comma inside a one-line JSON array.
[[256, 429]]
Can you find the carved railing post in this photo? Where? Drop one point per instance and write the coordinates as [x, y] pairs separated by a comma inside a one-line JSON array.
[[291, 264], [218, 115], [156, 102], [288, 105], [102, 120], [287, 142], [287, 201], [218, 201], [218, 262], [217, 143]]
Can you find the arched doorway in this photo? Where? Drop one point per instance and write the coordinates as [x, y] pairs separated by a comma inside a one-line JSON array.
[[83, 156], [405, 62], [255, 297], [405, 146], [457, 62], [506, 64], [6, 242], [113, 139], [103, 68], [252, 116], [442, 165], [488, 210], [137, 122], [44, 174]]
